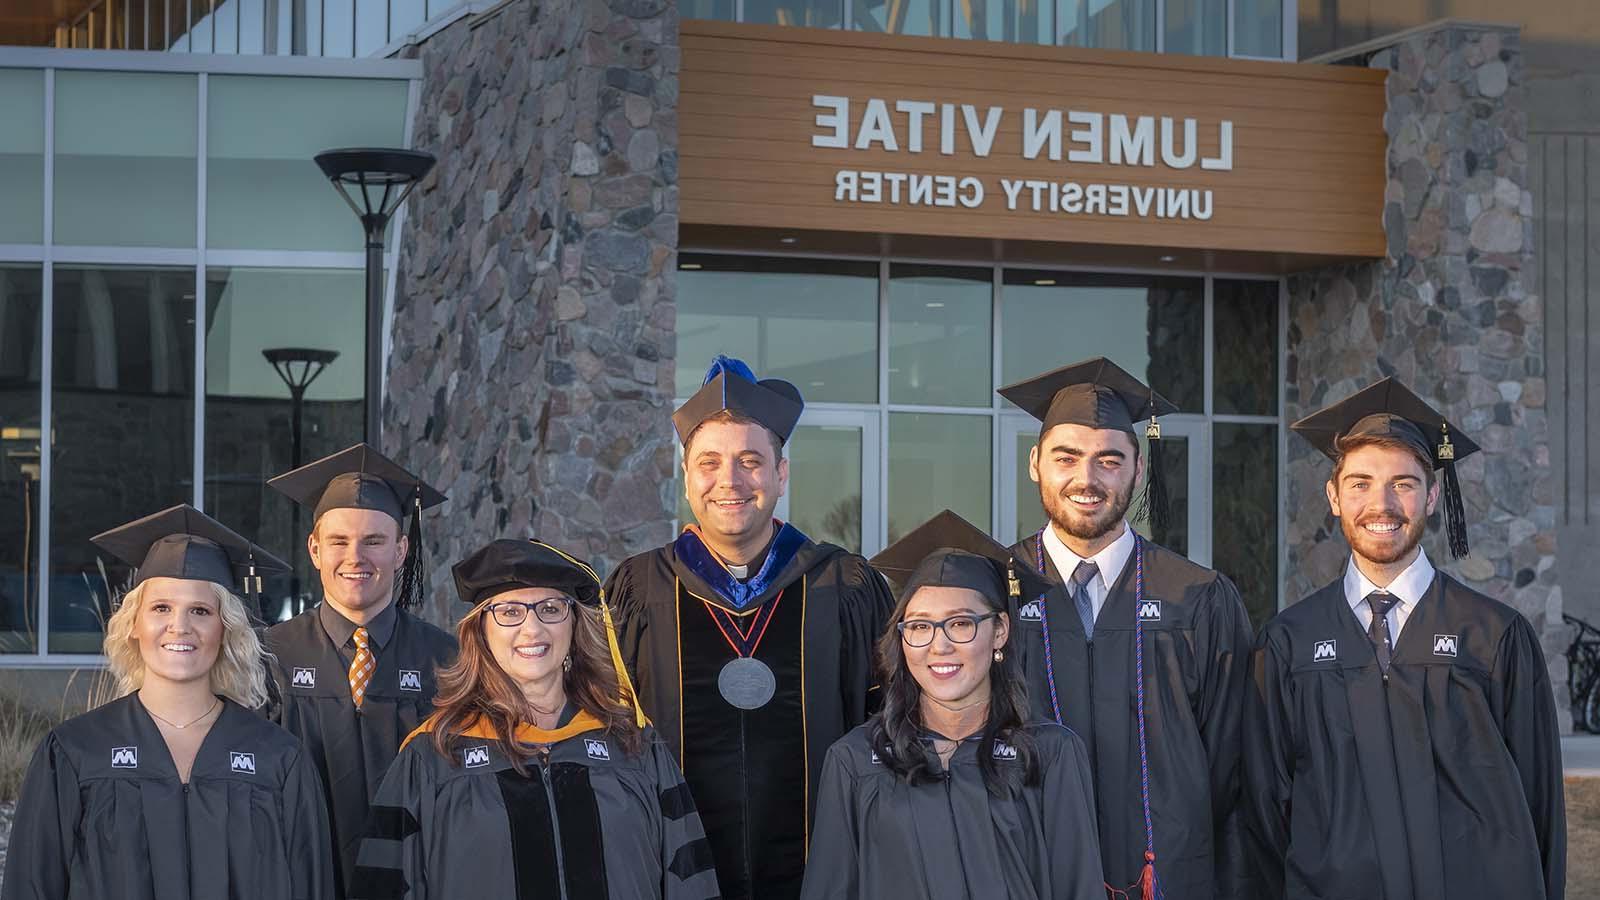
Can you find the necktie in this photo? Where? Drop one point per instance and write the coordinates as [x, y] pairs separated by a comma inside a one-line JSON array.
[[1378, 631], [360, 668], [1081, 576]]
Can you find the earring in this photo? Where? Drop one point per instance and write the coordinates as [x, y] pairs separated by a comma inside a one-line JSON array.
[[566, 664], [999, 655]]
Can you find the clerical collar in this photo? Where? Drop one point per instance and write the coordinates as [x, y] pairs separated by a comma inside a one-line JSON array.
[[694, 553], [340, 629], [1109, 561], [1410, 586]]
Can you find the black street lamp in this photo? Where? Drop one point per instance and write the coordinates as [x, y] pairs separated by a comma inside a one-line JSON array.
[[374, 182], [298, 367]]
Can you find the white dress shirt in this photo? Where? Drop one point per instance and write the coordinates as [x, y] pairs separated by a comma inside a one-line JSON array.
[[1111, 561], [1409, 587]]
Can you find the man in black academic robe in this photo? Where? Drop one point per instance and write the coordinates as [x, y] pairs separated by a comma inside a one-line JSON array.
[[753, 658], [1190, 620], [1402, 741], [361, 554]]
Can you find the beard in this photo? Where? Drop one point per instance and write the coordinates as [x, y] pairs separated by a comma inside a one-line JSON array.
[[1088, 526], [1383, 552]]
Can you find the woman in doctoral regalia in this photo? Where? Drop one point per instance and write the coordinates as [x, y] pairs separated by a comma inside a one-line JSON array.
[[537, 776], [176, 790], [950, 792]]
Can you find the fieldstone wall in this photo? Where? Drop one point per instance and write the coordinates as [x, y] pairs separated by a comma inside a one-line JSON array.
[[532, 367], [1453, 311]]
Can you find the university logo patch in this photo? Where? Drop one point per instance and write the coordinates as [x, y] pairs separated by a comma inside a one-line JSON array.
[[1029, 611], [875, 760], [1150, 611], [1325, 651], [124, 757], [1444, 645], [1003, 750], [596, 749], [410, 680], [304, 678], [242, 762], [475, 757]]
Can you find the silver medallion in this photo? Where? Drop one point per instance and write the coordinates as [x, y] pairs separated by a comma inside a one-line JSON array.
[[747, 683]]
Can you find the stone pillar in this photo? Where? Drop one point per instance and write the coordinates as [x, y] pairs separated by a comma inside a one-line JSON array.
[[532, 363], [1453, 311]]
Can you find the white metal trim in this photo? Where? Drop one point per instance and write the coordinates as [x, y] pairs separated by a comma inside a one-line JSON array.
[[126, 256], [286, 259], [201, 195], [882, 537], [22, 253], [58, 661], [47, 318], [1167, 272], [1291, 31], [216, 64]]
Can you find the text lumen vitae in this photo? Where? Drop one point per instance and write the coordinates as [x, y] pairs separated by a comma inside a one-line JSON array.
[[1054, 135]]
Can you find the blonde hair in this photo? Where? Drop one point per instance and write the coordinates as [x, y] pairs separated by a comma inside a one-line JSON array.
[[239, 672]]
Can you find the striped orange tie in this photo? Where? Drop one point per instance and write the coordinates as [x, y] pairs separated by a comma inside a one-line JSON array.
[[360, 668]]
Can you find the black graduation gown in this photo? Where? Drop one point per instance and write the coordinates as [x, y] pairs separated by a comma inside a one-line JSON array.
[[878, 837], [754, 773], [1197, 647], [353, 749], [103, 815], [1444, 780], [587, 823]]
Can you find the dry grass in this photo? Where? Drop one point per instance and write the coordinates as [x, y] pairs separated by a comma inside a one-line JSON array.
[[22, 727], [1583, 837]]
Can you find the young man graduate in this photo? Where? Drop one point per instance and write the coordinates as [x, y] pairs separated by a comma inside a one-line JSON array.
[[1402, 741], [1134, 647], [751, 645], [355, 674]]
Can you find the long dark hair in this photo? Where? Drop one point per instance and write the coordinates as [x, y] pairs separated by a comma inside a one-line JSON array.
[[896, 731]]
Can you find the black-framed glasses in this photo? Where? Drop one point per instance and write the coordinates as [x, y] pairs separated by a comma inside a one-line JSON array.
[[959, 629], [550, 611]]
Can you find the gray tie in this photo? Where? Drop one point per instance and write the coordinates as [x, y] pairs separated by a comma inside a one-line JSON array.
[[1378, 631], [1081, 576]]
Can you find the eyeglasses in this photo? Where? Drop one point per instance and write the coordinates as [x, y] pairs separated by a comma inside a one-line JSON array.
[[959, 629], [512, 613]]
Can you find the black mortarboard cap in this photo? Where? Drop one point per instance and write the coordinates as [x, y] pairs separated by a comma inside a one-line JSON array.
[[949, 551], [183, 542], [506, 564], [1389, 409], [731, 385], [360, 477]]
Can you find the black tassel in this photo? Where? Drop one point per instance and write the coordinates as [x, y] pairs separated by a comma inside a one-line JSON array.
[[410, 589], [1455, 514], [1155, 492], [252, 590]]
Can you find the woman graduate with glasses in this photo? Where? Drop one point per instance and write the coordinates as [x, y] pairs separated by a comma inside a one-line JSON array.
[[950, 792], [175, 791], [536, 776]]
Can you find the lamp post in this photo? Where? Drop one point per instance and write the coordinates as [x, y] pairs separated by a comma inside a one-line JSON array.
[[298, 367], [374, 182]]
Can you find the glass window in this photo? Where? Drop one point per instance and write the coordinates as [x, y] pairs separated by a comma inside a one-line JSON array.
[[825, 483], [21, 157], [1257, 28], [938, 462], [263, 191], [806, 13], [940, 322], [1153, 327], [811, 322], [920, 17], [1245, 509], [313, 324], [1014, 21], [122, 417], [125, 159], [1198, 27], [1108, 24], [1245, 324], [21, 304], [707, 9]]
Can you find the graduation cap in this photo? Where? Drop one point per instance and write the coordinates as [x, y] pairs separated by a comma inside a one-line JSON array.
[[731, 385], [360, 477], [1389, 410], [505, 565], [949, 551], [1098, 393], [183, 542]]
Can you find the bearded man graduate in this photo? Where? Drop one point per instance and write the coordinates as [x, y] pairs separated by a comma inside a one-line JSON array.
[[751, 645], [1134, 647], [355, 674], [1402, 741]]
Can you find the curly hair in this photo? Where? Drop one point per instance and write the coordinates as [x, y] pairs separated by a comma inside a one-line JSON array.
[[238, 673]]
